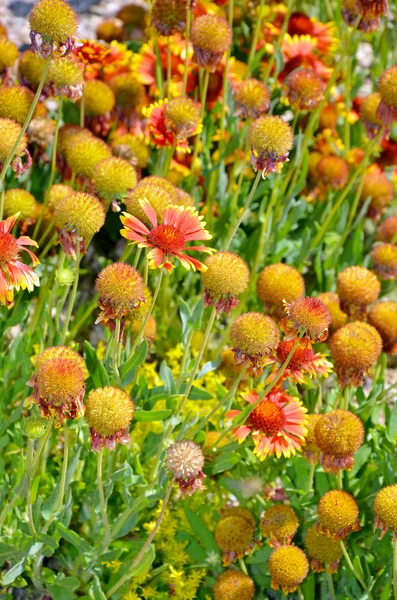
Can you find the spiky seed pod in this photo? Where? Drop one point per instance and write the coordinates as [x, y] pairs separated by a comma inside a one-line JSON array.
[[252, 98], [288, 567], [332, 171], [311, 451], [41, 132], [185, 460], [182, 117], [385, 510], [8, 53], [34, 428], [128, 90], [376, 186], [61, 352], [338, 514], [338, 317], [371, 122], [270, 139], [9, 132], [304, 89], [159, 192], [308, 316], [325, 554], [183, 198], [211, 37], [84, 152], [355, 347], [279, 282], [108, 412], [58, 192], [120, 289], [99, 98], [234, 585], [383, 316], [279, 523], [169, 16], [68, 134], [339, 434], [254, 337], [55, 20], [15, 103], [66, 75], [131, 148], [19, 201], [384, 257], [234, 534], [31, 67], [357, 287], [83, 212], [114, 177], [226, 277], [387, 231]]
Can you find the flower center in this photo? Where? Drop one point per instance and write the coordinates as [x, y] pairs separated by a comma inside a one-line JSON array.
[[8, 248], [166, 237], [268, 417], [300, 358]]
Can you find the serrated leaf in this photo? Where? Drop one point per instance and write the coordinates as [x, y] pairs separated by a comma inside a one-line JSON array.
[[73, 538], [146, 416]]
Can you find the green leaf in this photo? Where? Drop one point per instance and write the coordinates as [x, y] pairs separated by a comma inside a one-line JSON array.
[[393, 422], [73, 538], [358, 567], [146, 416], [224, 462], [360, 458], [201, 532], [136, 359], [95, 367], [197, 314], [13, 573], [168, 379], [96, 591]]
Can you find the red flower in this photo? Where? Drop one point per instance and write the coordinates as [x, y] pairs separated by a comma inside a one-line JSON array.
[[303, 364], [180, 225]]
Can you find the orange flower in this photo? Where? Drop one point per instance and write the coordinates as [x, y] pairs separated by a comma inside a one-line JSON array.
[[168, 132], [180, 225], [277, 424], [14, 274], [303, 364], [308, 316]]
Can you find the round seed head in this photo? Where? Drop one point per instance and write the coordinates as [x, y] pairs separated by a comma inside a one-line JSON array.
[[58, 192], [55, 20], [270, 136], [279, 282], [226, 277], [338, 514], [324, 552], [61, 352], [82, 212], [182, 117], [159, 192], [114, 177], [128, 90], [310, 315], [120, 289], [169, 16], [8, 53], [131, 148], [311, 451], [99, 98], [384, 257], [252, 98], [34, 427], [332, 171], [383, 316], [279, 523], [234, 531], [385, 509], [387, 231], [254, 334], [304, 89], [15, 103], [9, 132], [377, 187], [357, 286], [338, 317], [211, 37], [184, 460], [387, 87], [109, 411], [84, 152], [288, 567], [65, 72], [31, 67], [19, 201], [339, 434], [234, 585]]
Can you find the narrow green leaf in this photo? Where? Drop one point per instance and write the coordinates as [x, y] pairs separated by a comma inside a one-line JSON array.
[[201, 532], [13, 573], [96, 591], [73, 538], [393, 421], [134, 362], [146, 416]]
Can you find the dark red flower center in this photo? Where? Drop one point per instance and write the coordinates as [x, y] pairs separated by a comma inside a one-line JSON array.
[[166, 237], [8, 248], [268, 417]]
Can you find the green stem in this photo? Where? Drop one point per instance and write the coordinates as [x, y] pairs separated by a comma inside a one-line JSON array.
[[330, 583], [255, 38], [187, 34], [159, 73], [186, 352], [394, 544], [62, 483], [82, 111], [145, 546], [279, 42], [115, 348], [102, 502], [27, 121], [225, 87], [53, 169], [339, 479], [29, 460], [244, 211], [242, 566], [311, 478], [168, 68], [2, 194], [352, 569], [73, 293]]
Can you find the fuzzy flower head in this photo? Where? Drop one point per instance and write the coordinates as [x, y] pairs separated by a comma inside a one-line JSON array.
[[279, 523], [339, 434], [131, 148], [357, 287], [15, 102], [387, 88], [211, 37], [270, 139], [252, 99], [128, 91], [20, 201], [99, 98], [376, 186], [34, 427], [58, 192], [307, 316], [387, 231], [172, 122], [371, 122], [234, 585], [169, 16], [384, 258], [304, 363], [108, 412], [338, 317], [120, 290], [234, 534], [158, 191], [14, 274], [288, 566], [8, 53], [277, 283], [78, 217], [303, 89], [332, 172], [9, 132], [277, 424], [168, 240], [58, 384], [31, 67], [369, 21], [84, 152], [385, 509], [338, 515], [311, 452], [185, 460], [114, 177], [226, 277], [383, 316], [325, 554], [53, 25], [355, 347], [66, 76], [254, 336]]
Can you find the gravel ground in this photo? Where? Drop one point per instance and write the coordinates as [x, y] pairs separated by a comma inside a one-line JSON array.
[[13, 14]]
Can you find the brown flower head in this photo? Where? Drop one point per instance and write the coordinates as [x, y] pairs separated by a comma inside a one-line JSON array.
[[279, 523], [325, 553], [288, 566], [339, 434], [226, 277], [387, 231], [120, 288], [185, 461], [332, 171], [234, 534], [252, 99], [357, 288], [304, 89], [307, 316], [338, 514], [254, 337], [211, 37], [109, 412], [169, 16], [270, 139], [376, 186]]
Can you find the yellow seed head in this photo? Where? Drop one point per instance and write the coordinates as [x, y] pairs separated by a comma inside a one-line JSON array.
[[8, 53], [109, 410], [271, 136], [288, 567], [128, 90], [84, 152], [385, 509], [114, 177], [339, 433], [388, 87], [60, 380], [55, 20], [254, 334], [83, 212], [58, 192], [182, 117], [15, 103], [279, 523], [65, 72], [99, 98], [234, 585], [324, 552], [252, 98], [158, 191], [211, 37], [169, 16], [338, 514], [311, 451], [304, 89], [19, 200], [279, 282], [234, 532], [227, 275], [358, 286], [131, 148], [120, 288], [9, 132], [338, 317], [384, 257], [383, 316], [31, 67]]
